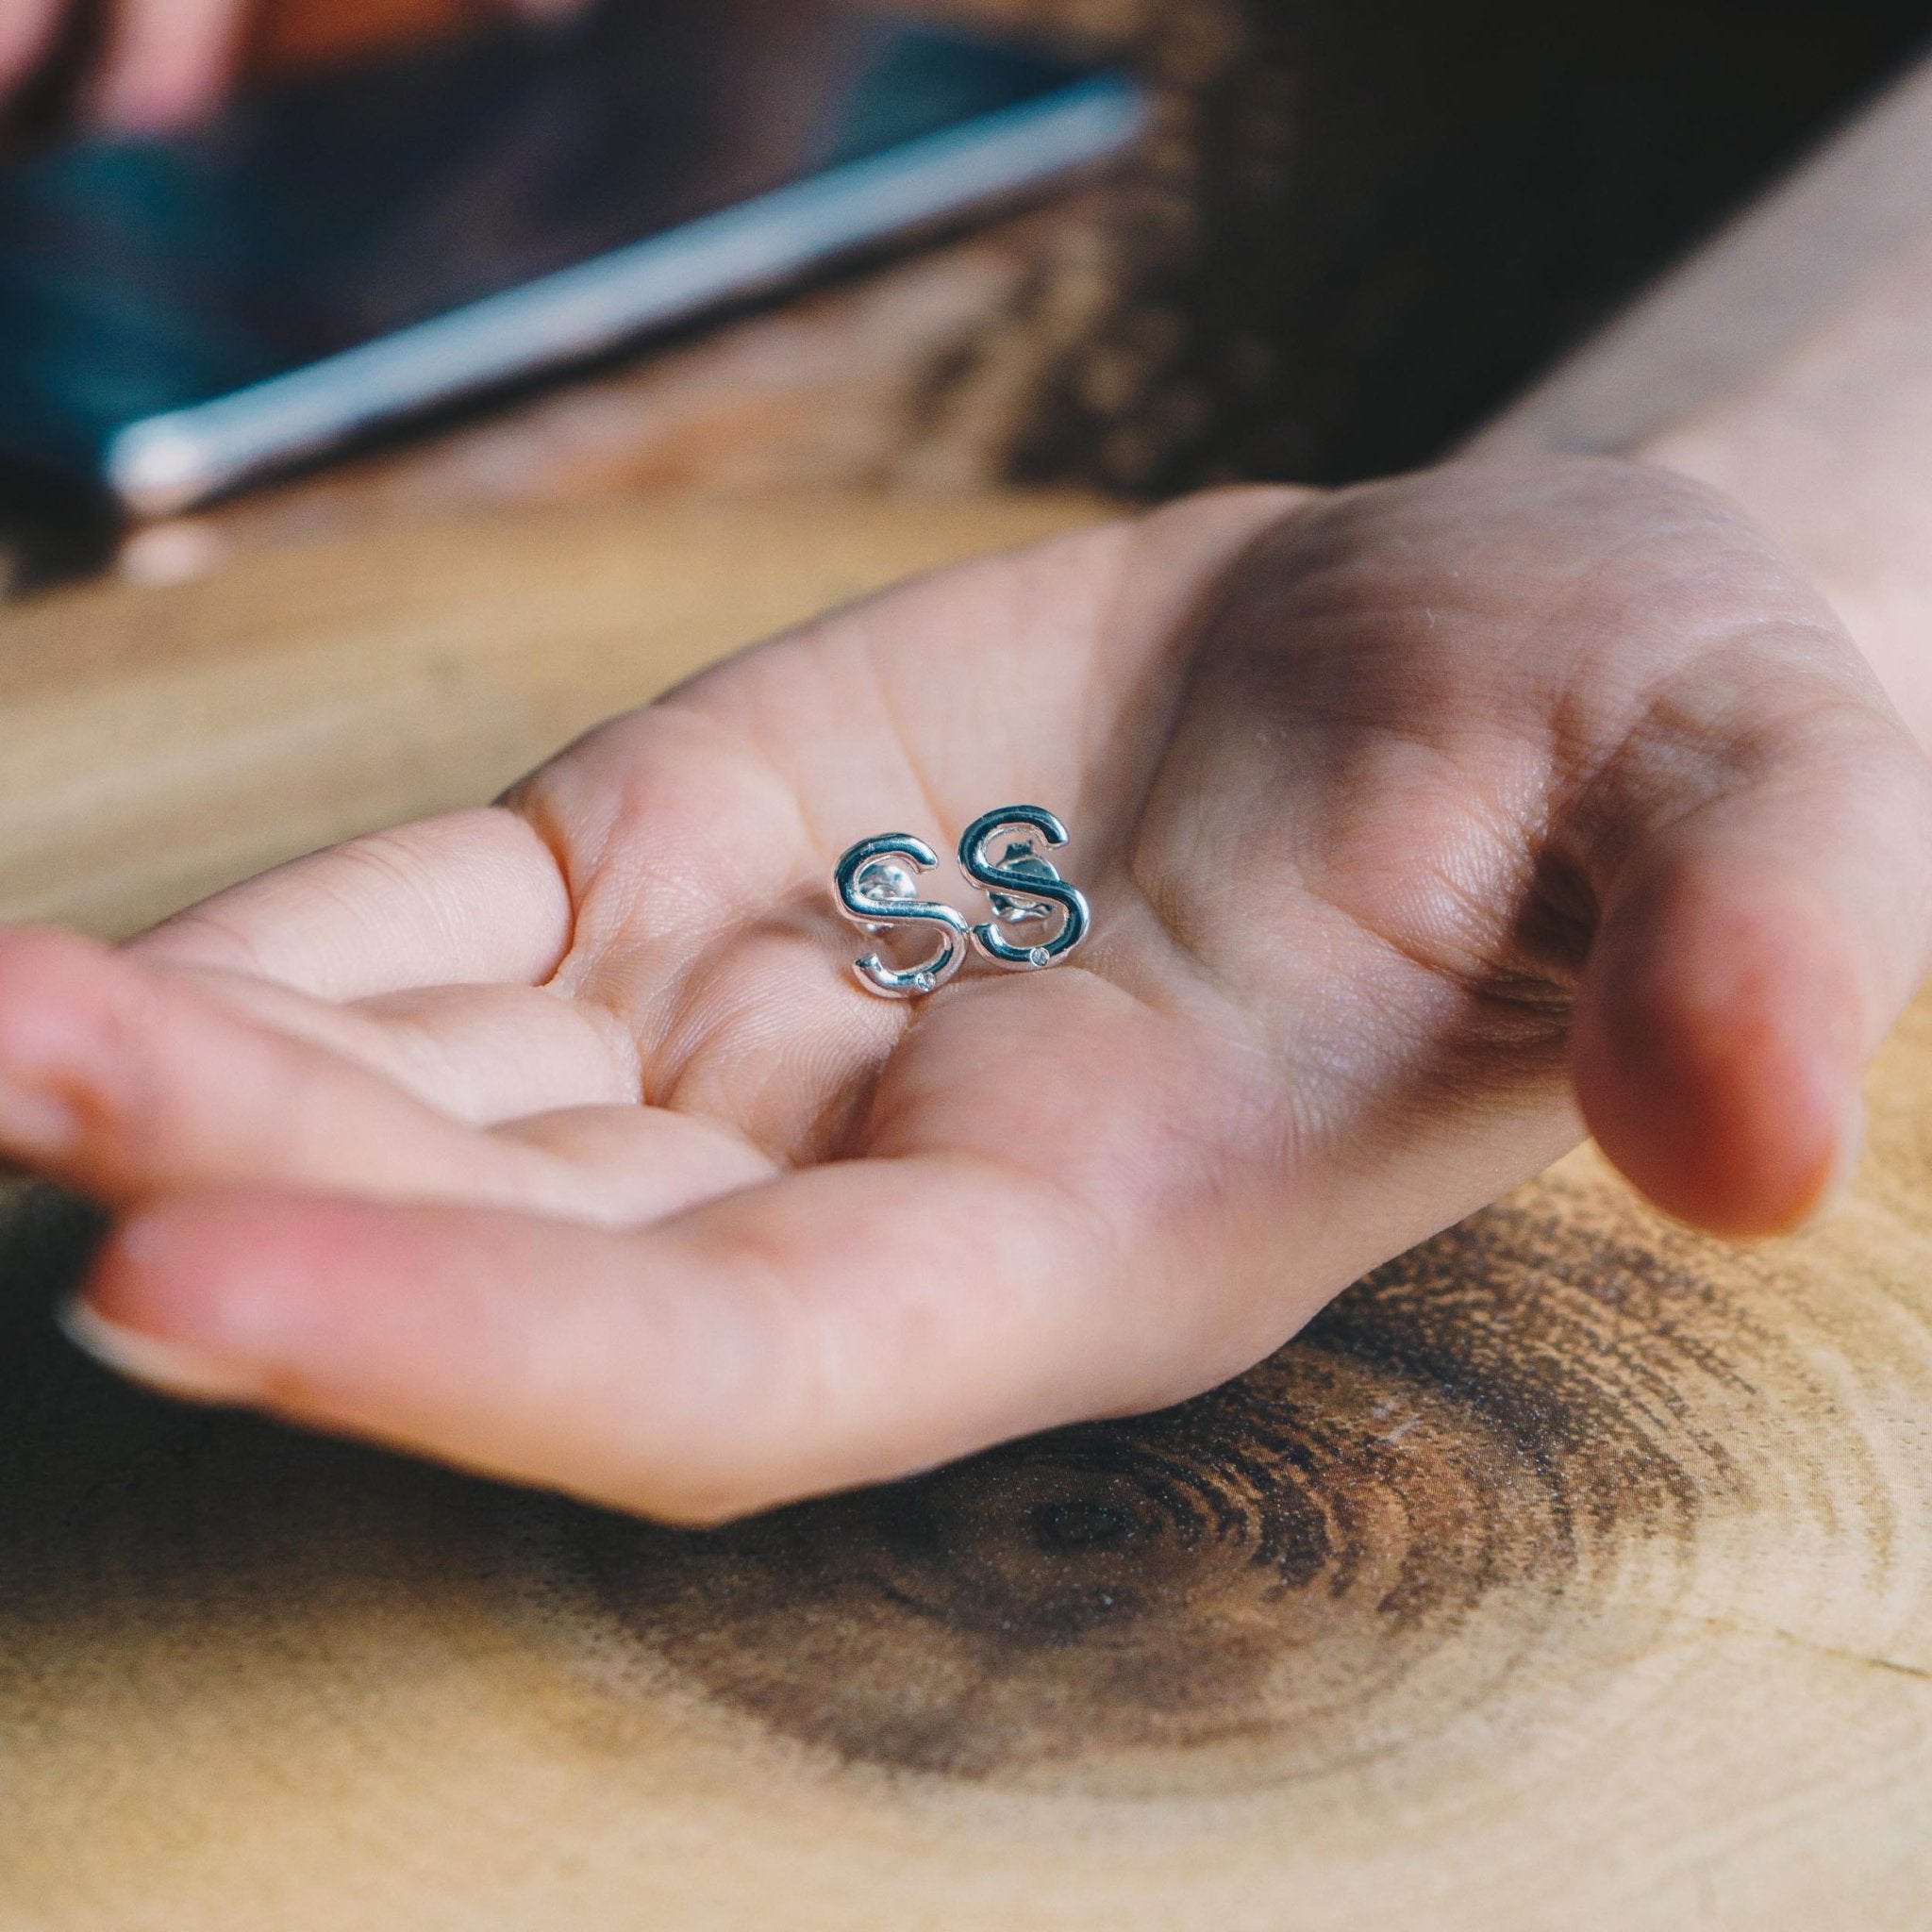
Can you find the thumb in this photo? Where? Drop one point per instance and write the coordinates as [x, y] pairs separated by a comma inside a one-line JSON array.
[[1753, 948]]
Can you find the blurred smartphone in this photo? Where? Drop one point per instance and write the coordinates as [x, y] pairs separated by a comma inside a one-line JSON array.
[[180, 315]]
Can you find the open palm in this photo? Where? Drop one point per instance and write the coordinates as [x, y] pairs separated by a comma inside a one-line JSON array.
[[559, 1139]]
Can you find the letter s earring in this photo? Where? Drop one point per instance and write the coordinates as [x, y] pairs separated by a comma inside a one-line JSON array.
[[878, 891], [1024, 886]]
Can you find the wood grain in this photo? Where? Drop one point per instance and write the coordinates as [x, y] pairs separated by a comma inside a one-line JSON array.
[[1573, 1571], [1570, 1571], [156, 744]]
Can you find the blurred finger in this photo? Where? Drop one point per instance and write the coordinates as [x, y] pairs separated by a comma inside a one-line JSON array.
[[27, 35], [474, 897], [127, 1084], [1753, 950], [815, 1333], [167, 63]]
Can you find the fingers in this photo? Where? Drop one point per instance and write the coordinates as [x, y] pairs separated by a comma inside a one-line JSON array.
[[1504, 683], [1753, 950], [127, 1084], [26, 35], [472, 898], [813, 1334], [481, 1054], [1005, 1269], [167, 62]]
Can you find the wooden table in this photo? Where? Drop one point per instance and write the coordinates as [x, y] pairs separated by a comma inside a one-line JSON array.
[[1571, 1571]]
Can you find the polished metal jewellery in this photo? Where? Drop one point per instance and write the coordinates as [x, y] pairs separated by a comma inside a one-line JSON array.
[[875, 887], [876, 890], [1023, 886]]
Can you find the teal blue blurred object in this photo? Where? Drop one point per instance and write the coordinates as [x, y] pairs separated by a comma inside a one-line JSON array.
[[180, 315]]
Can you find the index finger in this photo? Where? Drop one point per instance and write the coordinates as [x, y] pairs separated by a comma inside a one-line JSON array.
[[472, 898], [168, 61], [26, 33], [808, 1333]]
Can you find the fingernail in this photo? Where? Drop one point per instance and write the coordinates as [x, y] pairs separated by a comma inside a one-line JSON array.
[[169, 1367]]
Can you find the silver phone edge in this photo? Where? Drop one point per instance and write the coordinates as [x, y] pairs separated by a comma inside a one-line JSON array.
[[165, 464]]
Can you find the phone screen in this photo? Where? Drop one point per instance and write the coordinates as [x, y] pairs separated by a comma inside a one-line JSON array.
[[258, 264]]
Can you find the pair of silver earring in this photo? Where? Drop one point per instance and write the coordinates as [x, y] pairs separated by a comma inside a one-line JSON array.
[[876, 886]]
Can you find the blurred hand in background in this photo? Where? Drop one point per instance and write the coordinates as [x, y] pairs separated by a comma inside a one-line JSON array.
[[153, 64]]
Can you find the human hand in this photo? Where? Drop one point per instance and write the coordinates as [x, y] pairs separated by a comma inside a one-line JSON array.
[[557, 1140], [163, 62]]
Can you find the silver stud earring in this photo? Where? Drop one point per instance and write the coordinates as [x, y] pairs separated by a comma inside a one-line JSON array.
[[877, 889], [1000, 853]]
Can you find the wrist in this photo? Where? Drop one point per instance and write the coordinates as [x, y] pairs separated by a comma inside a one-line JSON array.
[[1835, 479]]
